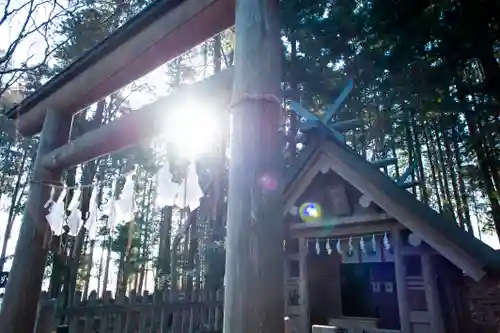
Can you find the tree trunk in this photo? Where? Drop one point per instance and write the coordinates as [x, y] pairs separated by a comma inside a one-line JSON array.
[[13, 209], [491, 153], [293, 128], [164, 248], [478, 147], [4, 177], [461, 183], [454, 182], [147, 204], [217, 54], [446, 185], [120, 275], [411, 150], [89, 270], [254, 297], [99, 273], [433, 170], [418, 154], [106, 266], [74, 264]]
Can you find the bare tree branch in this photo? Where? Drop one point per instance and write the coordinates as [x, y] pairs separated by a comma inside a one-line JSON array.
[[33, 22]]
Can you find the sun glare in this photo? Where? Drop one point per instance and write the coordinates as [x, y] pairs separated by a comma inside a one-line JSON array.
[[193, 129]]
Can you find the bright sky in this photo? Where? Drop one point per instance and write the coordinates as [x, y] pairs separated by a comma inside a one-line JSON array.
[[30, 48]]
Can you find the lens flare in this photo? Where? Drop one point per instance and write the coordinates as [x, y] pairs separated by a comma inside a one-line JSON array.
[[310, 212]]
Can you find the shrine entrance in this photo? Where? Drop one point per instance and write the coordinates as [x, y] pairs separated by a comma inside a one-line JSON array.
[[369, 291], [324, 283], [352, 291]]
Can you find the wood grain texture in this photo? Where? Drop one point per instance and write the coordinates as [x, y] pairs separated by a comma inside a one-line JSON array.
[[400, 270], [254, 298], [139, 125], [432, 294], [23, 289]]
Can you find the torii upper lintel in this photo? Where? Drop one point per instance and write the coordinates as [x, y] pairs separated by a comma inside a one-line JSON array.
[[158, 34]]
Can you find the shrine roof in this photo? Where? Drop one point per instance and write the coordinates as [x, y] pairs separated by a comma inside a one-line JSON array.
[[467, 252], [159, 33]]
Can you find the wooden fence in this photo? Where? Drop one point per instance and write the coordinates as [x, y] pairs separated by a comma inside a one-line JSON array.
[[134, 314]]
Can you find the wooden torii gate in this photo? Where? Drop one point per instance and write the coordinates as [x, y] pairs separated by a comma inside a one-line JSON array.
[[254, 264]]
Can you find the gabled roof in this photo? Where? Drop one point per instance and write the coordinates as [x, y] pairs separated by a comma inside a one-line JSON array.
[[468, 253]]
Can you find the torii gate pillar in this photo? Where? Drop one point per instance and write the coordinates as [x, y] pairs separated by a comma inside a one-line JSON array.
[[26, 275], [254, 294]]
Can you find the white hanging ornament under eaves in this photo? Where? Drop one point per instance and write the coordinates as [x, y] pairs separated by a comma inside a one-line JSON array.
[[350, 250], [387, 245], [110, 209], [374, 244], [318, 249], [328, 247], [56, 214], [167, 189], [75, 215], [339, 250], [125, 206], [190, 192], [362, 247], [91, 223]]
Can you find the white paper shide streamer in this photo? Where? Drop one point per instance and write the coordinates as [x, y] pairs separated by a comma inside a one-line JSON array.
[[374, 244], [189, 191], [169, 193], [91, 223], [339, 250], [350, 250], [366, 247], [167, 188], [387, 245], [362, 247], [125, 206], [328, 247], [56, 214], [75, 215], [186, 194], [110, 209]]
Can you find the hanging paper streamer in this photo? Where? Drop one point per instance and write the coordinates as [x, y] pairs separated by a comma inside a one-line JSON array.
[[387, 245], [125, 206], [167, 188], [56, 214], [110, 209], [363, 249], [75, 216], [350, 250], [374, 245], [339, 250], [362, 245], [51, 201], [91, 223], [190, 191], [328, 247]]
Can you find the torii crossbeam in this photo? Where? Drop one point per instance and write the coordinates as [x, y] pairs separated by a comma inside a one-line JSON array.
[[161, 32]]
